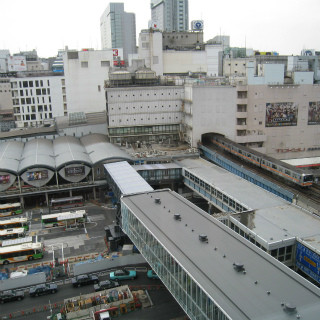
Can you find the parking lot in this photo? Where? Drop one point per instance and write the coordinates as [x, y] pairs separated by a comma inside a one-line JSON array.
[[80, 243]]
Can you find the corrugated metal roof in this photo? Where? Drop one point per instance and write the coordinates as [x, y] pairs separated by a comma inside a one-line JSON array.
[[126, 178]]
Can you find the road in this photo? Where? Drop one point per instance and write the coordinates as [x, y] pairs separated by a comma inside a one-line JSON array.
[[76, 242], [164, 305]]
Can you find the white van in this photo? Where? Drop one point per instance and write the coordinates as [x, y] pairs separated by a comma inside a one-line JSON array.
[[105, 315]]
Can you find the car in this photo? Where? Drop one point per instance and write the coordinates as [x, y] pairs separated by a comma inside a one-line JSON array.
[[84, 279], [123, 274], [42, 289], [105, 285], [11, 295], [152, 275]]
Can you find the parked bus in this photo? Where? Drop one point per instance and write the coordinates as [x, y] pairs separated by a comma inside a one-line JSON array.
[[9, 234], [14, 223], [14, 242], [64, 219], [70, 202], [21, 252], [10, 209]]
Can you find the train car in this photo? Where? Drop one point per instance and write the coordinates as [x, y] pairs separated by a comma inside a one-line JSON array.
[[287, 172]]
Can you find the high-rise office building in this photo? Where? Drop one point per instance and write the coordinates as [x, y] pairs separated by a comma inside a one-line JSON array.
[[170, 15], [118, 29]]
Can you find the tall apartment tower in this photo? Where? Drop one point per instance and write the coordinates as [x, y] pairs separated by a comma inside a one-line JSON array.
[[170, 15], [118, 29]]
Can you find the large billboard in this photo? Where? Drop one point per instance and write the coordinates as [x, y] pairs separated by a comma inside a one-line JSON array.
[[4, 178], [308, 261], [279, 114], [37, 175], [74, 171], [314, 112], [17, 63]]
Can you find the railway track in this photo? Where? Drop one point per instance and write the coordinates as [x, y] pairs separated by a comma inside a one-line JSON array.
[[308, 198]]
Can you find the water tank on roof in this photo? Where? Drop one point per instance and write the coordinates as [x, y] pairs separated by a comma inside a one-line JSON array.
[[145, 74], [120, 75]]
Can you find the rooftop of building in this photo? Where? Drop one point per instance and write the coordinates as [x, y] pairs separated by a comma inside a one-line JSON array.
[[259, 291], [271, 218], [16, 156]]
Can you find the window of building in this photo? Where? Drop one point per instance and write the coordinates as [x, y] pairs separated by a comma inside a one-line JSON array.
[[84, 64], [105, 63]]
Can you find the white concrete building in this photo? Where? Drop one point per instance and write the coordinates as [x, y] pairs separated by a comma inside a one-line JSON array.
[[85, 73], [37, 100], [144, 113], [118, 29], [181, 62]]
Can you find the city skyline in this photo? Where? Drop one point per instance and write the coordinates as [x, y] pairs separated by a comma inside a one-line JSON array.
[[286, 27]]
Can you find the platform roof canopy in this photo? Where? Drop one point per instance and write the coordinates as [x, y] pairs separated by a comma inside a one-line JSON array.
[[272, 218], [126, 178]]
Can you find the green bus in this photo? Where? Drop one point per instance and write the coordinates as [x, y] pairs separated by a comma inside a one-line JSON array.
[[21, 252], [21, 222], [10, 209], [64, 219]]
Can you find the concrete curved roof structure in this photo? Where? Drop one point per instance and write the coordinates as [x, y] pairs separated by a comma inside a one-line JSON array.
[[69, 150], [99, 149], [10, 155], [37, 153], [17, 157]]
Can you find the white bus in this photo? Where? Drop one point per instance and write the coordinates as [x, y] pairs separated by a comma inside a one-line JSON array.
[[64, 219], [21, 252], [9, 234]]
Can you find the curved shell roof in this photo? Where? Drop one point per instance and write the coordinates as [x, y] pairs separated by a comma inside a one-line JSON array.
[[69, 149], [10, 155], [99, 149], [17, 157], [37, 153]]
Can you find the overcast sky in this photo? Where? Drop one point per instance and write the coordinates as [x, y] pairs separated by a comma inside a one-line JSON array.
[[285, 26]]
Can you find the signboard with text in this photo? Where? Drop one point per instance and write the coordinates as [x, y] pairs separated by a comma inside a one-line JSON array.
[[74, 171], [308, 261]]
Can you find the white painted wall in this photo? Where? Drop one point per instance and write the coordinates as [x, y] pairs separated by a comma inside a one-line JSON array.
[[136, 106], [85, 85], [184, 61], [213, 109]]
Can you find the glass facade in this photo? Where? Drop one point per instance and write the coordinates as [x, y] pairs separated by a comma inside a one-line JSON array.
[[144, 133], [192, 298], [216, 196], [161, 174]]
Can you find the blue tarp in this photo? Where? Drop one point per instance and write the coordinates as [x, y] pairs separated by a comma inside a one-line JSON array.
[[45, 269], [3, 276], [98, 258]]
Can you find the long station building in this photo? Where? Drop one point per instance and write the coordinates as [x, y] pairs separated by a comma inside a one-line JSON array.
[[207, 262]]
